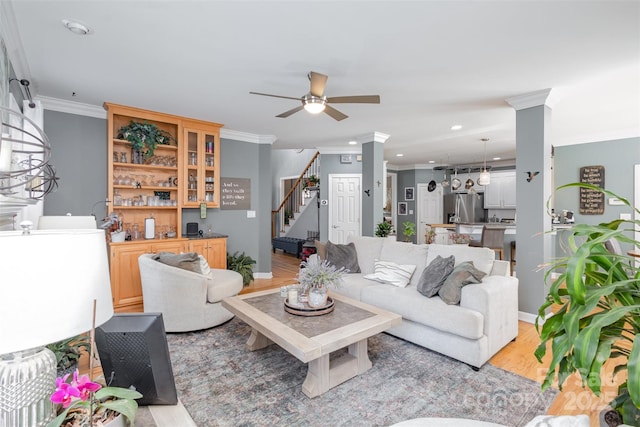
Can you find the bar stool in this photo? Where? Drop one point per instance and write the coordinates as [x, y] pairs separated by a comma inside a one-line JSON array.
[[492, 238]]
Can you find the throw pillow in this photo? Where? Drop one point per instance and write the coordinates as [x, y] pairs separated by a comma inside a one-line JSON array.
[[188, 261], [463, 274], [342, 256], [391, 273], [204, 266], [434, 275], [320, 250]]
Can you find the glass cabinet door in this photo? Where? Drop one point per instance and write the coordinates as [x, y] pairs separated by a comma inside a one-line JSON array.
[[202, 168]]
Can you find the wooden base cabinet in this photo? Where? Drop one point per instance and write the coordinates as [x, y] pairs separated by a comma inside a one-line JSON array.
[[126, 286], [213, 250]]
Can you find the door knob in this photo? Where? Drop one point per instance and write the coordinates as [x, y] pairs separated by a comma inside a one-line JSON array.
[[334, 226]]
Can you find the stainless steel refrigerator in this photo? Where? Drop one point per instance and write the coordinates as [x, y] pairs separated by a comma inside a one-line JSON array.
[[465, 208]]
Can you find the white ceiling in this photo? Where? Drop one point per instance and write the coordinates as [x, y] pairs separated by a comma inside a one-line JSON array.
[[434, 64]]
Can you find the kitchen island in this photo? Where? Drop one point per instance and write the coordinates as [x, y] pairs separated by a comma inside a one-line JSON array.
[[475, 231]]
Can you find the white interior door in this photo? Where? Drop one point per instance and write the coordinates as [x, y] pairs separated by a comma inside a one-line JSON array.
[[428, 209], [344, 207]]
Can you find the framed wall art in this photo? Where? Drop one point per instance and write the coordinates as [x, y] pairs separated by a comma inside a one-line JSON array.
[[408, 193]]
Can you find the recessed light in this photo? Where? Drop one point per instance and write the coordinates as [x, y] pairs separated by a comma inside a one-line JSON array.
[[432, 161], [76, 27], [497, 158], [456, 127], [353, 142], [399, 155]]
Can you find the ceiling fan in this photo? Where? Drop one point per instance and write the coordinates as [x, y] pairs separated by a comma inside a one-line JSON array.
[[315, 102]]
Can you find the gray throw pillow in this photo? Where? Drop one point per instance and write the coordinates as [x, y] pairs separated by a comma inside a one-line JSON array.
[[343, 256], [463, 274], [189, 261], [434, 275]]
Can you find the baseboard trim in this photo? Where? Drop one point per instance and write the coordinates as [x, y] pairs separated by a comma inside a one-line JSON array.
[[531, 318], [268, 275]]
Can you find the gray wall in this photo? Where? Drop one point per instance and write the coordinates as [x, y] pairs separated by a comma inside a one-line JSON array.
[[406, 178], [79, 155], [287, 163], [618, 158], [79, 150]]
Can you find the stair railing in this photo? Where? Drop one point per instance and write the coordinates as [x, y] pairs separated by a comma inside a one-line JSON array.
[[295, 196]]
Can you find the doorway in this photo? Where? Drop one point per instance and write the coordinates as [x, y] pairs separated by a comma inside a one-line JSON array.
[[345, 207], [428, 209]]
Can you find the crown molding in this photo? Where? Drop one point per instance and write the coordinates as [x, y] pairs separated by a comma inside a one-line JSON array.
[[99, 112], [533, 99], [372, 137], [247, 137], [71, 107]]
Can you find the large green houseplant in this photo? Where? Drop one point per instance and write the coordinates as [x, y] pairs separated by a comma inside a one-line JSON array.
[[598, 318], [242, 264]]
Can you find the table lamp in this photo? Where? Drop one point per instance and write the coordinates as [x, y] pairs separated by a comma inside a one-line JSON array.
[[49, 281]]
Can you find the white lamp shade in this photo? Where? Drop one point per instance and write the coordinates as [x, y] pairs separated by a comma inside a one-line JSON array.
[[49, 280]]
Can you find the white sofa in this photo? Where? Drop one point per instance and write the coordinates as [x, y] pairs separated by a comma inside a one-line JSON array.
[[485, 320]]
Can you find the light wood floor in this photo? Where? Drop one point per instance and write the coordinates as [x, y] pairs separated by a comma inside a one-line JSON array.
[[516, 357]]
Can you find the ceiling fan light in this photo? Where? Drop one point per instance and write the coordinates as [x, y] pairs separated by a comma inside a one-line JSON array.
[[484, 178], [314, 105]]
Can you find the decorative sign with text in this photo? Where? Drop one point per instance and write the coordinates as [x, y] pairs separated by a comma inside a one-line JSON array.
[[235, 193], [592, 202]]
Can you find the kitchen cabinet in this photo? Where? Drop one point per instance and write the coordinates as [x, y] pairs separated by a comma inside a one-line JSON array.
[[501, 193], [126, 286], [213, 250]]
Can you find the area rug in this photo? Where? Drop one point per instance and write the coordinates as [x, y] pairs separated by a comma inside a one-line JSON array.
[[221, 383]]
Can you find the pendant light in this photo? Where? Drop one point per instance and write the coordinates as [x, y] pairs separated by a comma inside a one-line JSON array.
[[485, 177]]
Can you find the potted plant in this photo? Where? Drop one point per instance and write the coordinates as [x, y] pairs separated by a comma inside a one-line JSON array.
[[316, 277], [383, 229], [144, 138], [68, 353], [598, 318], [310, 181], [408, 230], [243, 264], [82, 402]]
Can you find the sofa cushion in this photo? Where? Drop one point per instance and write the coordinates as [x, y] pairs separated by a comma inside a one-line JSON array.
[[405, 253], [188, 261], [482, 258], [463, 274], [392, 273], [434, 275], [431, 312], [368, 249], [342, 256], [354, 285]]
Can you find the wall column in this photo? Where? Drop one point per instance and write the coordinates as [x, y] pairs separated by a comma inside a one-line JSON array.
[[533, 154], [372, 191]]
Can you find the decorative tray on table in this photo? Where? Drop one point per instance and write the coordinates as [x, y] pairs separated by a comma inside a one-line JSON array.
[[304, 309]]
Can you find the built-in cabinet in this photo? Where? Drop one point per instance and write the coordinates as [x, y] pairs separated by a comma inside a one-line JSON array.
[[501, 193], [202, 168], [183, 172]]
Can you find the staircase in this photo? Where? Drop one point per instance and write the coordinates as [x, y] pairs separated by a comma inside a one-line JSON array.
[[298, 198]]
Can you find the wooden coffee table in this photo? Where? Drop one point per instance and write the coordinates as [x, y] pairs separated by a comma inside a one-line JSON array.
[[313, 339]]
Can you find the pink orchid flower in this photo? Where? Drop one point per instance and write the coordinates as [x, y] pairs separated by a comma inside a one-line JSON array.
[[64, 393], [84, 385]]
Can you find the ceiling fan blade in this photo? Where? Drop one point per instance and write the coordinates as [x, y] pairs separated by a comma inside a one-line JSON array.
[[358, 99], [290, 112], [318, 82], [334, 113], [275, 96]]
